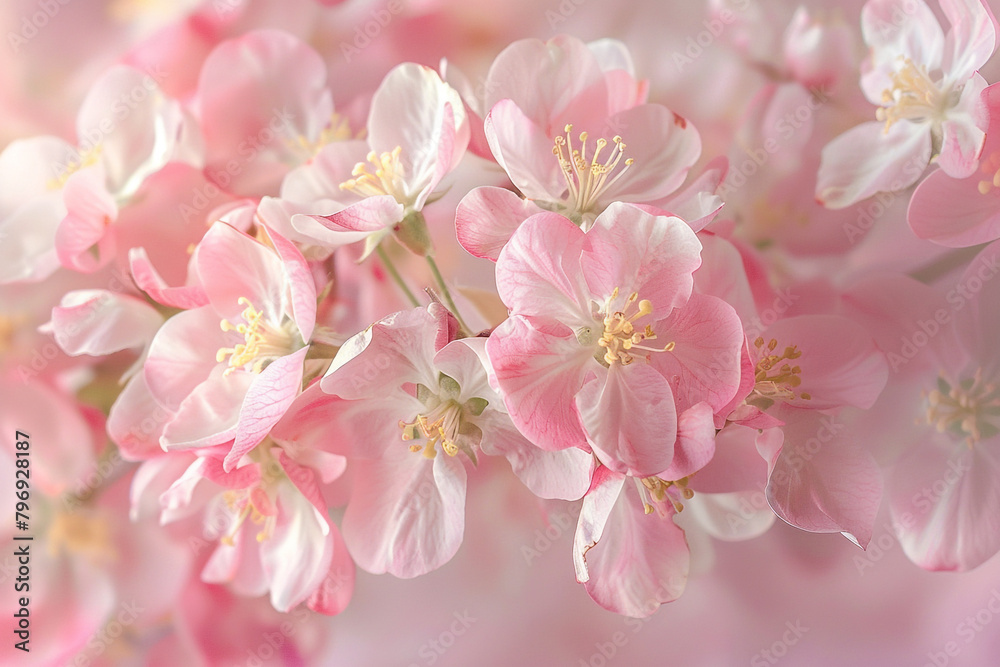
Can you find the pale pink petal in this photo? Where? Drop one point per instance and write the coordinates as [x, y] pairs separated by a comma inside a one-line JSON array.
[[415, 110], [487, 217], [301, 284], [232, 265], [524, 150], [664, 147], [895, 161], [257, 95], [538, 271], [556, 82], [389, 353], [735, 466], [100, 322], [840, 362], [898, 29], [604, 491], [953, 212], [182, 354], [630, 419], [962, 132], [945, 502], [268, 397], [335, 591], [149, 281], [695, 445], [210, 413], [631, 250], [563, 474], [822, 483], [90, 209], [406, 515], [540, 368], [641, 560], [972, 38], [136, 421], [704, 364], [28, 251], [296, 557]]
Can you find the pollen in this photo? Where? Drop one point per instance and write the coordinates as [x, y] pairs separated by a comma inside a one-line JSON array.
[[970, 408], [83, 534], [655, 491], [775, 375], [381, 174], [587, 178], [440, 426], [621, 337], [990, 167], [87, 159], [255, 504], [263, 341], [337, 130], [913, 96]]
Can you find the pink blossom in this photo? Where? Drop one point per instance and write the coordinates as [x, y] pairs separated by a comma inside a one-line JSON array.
[[565, 360], [229, 369], [927, 87]]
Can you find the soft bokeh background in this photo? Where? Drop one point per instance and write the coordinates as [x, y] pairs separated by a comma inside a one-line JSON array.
[[509, 597]]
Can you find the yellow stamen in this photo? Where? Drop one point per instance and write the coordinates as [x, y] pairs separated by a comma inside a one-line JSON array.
[[970, 408], [86, 159], [81, 534], [620, 337], [774, 379], [263, 341], [990, 167], [587, 178], [387, 179], [655, 490], [338, 130], [913, 96]]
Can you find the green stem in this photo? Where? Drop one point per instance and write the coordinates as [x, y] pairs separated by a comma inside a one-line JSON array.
[[446, 294], [391, 268]]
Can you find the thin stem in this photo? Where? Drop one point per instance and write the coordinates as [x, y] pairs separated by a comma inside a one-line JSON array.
[[391, 268], [447, 295]]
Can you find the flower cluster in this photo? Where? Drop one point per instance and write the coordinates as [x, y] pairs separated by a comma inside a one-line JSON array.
[[297, 311]]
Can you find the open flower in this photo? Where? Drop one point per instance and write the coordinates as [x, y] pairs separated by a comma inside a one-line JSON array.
[[417, 133], [927, 89], [229, 369], [606, 345], [573, 138], [412, 409]]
